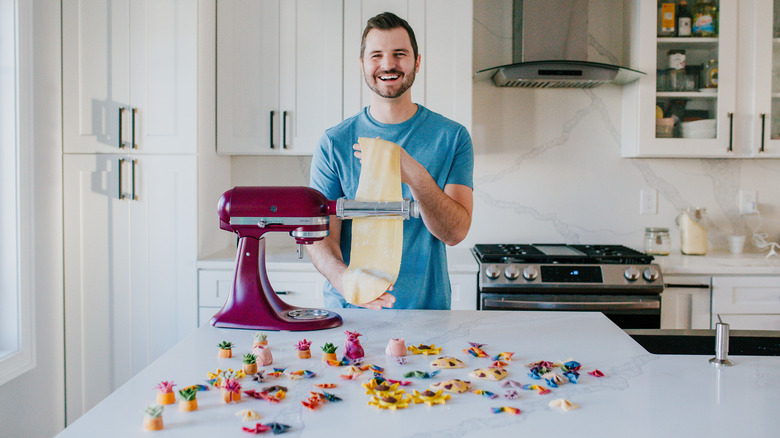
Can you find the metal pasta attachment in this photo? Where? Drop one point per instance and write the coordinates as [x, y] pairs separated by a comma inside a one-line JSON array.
[[351, 209]]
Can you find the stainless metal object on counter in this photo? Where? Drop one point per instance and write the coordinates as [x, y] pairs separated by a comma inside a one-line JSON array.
[[350, 209], [721, 346]]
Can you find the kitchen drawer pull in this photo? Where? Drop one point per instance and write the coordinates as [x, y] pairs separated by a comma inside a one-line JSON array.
[[731, 132], [121, 143], [132, 180], [271, 130], [763, 127], [283, 292], [121, 163], [284, 129], [132, 128], [570, 305]]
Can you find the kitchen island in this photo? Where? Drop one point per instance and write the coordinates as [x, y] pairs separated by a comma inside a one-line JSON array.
[[641, 395]]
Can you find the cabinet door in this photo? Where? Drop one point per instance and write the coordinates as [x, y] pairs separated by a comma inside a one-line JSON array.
[[765, 123], [356, 14], [643, 135], [130, 284], [163, 75], [443, 30], [310, 73], [96, 71], [163, 253], [130, 70], [97, 280], [464, 291], [247, 76], [748, 302], [685, 303]]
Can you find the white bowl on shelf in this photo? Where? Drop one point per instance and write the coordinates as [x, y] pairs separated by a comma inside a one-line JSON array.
[[699, 124]]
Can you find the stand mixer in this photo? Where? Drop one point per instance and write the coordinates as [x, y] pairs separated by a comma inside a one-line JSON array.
[[303, 212]]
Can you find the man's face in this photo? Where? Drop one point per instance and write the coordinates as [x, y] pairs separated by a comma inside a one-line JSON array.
[[388, 62]]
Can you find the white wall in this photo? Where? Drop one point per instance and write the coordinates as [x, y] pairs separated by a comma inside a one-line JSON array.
[[548, 166], [33, 404]]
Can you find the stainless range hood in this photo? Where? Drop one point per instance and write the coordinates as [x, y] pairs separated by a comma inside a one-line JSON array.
[[549, 49]]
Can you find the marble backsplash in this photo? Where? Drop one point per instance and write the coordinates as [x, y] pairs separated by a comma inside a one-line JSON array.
[[548, 167]]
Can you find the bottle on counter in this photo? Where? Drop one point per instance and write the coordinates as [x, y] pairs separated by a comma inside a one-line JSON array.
[[705, 19], [667, 18], [684, 19]]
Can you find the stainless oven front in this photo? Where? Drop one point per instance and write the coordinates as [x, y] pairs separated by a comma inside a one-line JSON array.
[[627, 311]]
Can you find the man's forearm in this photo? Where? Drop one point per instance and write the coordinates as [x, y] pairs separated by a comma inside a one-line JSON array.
[[445, 218], [326, 257]]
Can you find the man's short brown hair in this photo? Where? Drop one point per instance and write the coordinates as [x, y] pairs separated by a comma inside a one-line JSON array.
[[387, 21]]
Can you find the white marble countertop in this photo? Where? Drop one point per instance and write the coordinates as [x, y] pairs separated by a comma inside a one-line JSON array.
[[642, 395], [715, 263], [281, 255]]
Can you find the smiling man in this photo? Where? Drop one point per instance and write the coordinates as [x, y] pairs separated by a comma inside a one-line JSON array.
[[437, 163]]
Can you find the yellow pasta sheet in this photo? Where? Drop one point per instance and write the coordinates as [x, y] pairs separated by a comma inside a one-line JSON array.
[[376, 242]]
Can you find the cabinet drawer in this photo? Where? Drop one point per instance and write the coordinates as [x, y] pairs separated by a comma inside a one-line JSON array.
[[214, 287], [303, 289], [751, 321], [745, 295], [205, 314]]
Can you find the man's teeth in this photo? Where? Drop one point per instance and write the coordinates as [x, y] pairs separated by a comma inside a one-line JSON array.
[[389, 78]]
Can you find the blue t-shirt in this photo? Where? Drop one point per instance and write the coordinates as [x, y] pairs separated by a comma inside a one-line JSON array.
[[444, 148]]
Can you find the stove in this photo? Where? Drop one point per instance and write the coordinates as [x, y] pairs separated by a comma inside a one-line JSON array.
[[621, 282]]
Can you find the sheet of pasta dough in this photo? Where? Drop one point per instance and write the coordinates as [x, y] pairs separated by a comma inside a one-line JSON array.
[[376, 242]]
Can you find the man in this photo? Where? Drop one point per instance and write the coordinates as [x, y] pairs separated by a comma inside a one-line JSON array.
[[437, 162]]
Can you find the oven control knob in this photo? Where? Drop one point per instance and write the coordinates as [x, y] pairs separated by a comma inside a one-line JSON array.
[[651, 274], [492, 272], [530, 273], [632, 274], [511, 272]]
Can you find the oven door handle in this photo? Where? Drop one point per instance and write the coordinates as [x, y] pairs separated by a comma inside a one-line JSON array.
[[572, 305]]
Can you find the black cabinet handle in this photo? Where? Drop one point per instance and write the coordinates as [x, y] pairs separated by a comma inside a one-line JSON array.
[[284, 130], [731, 131], [763, 126], [272, 129], [132, 128], [121, 143], [132, 180], [121, 163]]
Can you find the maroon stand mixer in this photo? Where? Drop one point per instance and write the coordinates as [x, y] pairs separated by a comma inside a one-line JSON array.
[[303, 212]]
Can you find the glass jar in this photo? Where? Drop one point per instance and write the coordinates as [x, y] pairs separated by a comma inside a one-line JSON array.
[[709, 74], [693, 230], [705, 19], [657, 241]]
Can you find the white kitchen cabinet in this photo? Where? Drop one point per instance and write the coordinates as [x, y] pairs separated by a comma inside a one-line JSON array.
[[685, 302], [443, 30], [745, 104], [297, 288], [764, 126], [464, 291], [279, 75], [130, 267], [129, 74], [649, 53], [747, 303], [304, 289]]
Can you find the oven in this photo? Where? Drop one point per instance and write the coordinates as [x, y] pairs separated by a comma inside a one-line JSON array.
[[616, 280]]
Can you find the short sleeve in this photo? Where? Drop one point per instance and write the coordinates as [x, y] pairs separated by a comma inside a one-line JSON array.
[[462, 170], [324, 174]]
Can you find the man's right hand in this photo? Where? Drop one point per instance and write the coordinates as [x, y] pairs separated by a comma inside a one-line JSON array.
[[385, 300]]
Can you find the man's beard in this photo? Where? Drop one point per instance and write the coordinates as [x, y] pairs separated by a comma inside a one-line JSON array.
[[406, 83]]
